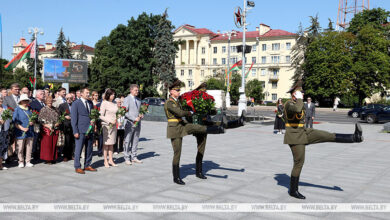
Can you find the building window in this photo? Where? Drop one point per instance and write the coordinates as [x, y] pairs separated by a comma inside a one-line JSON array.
[[264, 47], [215, 49], [223, 49], [203, 50], [276, 72], [275, 59], [190, 73], [254, 47], [182, 72], [264, 59], [215, 61], [203, 61], [254, 72], [288, 46], [223, 61], [233, 60], [190, 84], [253, 59], [214, 73], [202, 73], [288, 58], [274, 96], [263, 84], [233, 49], [263, 72], [276, 46]]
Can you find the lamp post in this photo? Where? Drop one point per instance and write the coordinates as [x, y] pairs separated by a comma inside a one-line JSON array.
[[35, 31], [229, 34]]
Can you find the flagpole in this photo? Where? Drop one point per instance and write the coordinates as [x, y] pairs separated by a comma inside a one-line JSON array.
[[1, 52], [35, 31]]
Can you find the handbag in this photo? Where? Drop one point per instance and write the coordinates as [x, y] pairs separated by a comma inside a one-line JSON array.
[[61, 139]]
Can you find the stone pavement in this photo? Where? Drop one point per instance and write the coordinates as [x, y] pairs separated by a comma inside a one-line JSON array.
[[248, 164]]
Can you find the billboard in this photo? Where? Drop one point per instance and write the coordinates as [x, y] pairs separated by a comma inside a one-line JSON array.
[[65, 71]]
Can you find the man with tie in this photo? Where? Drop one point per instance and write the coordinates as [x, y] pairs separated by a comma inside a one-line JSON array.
[[132, 132], [66, 108], [80, 121], [61, 97], [310, 112], [36, 105]]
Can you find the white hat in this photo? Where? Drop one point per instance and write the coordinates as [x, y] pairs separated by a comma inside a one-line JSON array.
[[24, 97]]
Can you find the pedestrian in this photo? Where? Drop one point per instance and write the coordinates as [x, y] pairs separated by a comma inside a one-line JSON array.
[[65, 109], [4, 127], [177, 128], [336, 103], [48, 117], [118, 147], [61, 93], [23, 131], [297, 137], [279, 124], [252, 102], [310, 113], [11, 101], [108, 111], [81, 121], [36, 105], [132, 125]]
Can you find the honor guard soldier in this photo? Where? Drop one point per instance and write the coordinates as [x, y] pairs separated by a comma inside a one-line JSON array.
[[177, 128], [297, 137]]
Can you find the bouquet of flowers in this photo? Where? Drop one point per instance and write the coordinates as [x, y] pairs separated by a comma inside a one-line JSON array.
[[279, 114], [120, 113], [94, 116], [32, 118], [199, 102], [7, 114], [60, 120], [142, 111]]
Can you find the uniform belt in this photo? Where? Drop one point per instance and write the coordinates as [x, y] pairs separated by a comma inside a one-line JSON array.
[[294, 125], [174, 120]]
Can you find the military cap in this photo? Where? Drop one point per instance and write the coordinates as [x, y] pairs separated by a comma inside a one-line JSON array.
[[177, 84], [202, 86], [297, 86]]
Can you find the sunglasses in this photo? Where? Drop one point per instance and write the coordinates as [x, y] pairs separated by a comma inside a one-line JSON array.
[[177, 90]]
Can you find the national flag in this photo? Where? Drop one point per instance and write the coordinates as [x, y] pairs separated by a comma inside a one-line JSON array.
[[21, 56], [247, 73], [33, 48]]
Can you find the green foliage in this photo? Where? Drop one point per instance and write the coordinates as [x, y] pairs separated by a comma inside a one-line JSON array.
[[254, 88], [31, 62], [216, 84], [68, 51], [349, 100], [60, 45], [82, 55], [20, 76], [126, 56], [377, 17], [234, 88]]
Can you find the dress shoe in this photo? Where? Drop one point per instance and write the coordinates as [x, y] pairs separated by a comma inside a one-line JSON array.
[[90, 169], [112, 164], [80, 171]]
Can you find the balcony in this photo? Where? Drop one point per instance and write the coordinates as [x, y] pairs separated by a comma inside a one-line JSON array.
[[273, 78], [273, 65]]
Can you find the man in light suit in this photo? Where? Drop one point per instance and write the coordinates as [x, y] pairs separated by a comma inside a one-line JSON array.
[[132, 104], [310, 112], [61, 97], [12, 100], [80, 121]]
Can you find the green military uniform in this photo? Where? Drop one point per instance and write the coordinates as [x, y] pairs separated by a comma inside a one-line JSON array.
[[297, 137]]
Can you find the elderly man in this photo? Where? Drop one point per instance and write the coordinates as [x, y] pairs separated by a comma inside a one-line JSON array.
[[36, 105], [3, 92], [65, 108]]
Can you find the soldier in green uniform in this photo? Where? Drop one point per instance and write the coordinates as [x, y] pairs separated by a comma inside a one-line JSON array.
[[201, 138], [177, 128], [297, 137]]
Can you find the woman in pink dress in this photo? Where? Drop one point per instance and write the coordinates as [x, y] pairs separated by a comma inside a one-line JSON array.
[[108, 111]]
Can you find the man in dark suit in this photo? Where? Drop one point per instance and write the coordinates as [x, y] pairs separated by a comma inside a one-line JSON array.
[[80, 121], [310, 113], [37, 105], [65, 108]]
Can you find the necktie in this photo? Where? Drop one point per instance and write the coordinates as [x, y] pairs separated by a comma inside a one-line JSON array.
[[86, 105]]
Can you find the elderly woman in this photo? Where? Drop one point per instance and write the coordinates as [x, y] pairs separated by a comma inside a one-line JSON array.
[[4, 126], [118, 147], [48, 117], [23, 131]]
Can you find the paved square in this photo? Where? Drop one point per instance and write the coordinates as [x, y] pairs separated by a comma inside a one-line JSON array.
[[247, 164]]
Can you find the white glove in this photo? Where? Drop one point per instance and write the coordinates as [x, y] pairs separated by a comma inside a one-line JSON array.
[[298, 95]]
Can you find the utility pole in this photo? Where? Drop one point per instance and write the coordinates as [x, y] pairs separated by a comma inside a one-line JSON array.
[[229, 34]]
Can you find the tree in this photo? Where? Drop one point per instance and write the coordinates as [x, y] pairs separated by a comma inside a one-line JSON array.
[[314, 30], [60, 51], [216, 83], [298, 52], [82, 54], [254, 88], [371, 62], [68, 50], [330, 26], [165, 53], [234, 88], [31, 61], [377, 17]]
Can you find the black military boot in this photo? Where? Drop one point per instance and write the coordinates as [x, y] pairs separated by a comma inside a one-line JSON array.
[[294, 181], [176, 175], [199, 173], [351, 138], [215, 130]]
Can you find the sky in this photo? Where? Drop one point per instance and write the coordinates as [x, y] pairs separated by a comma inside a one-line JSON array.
[[90, 20]]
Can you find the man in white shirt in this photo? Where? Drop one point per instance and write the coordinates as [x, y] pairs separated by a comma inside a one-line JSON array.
[[61, 97]]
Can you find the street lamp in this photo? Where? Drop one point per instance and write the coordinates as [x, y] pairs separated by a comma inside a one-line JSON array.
[[35, 31], [228, 34]]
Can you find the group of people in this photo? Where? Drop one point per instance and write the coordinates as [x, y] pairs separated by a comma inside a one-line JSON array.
[[52, 125]]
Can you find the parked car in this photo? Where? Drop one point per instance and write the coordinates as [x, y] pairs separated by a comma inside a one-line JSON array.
[[376, 115], [355, 112], [153, 101]]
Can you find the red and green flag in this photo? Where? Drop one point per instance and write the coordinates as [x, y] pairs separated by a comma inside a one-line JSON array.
[[27, 52]]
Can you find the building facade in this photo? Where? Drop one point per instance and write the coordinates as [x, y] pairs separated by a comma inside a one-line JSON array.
[[48, 51], [203, 54]]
